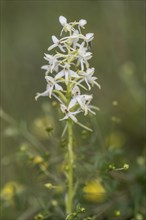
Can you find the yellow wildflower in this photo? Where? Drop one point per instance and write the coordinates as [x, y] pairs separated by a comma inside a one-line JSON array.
[[94, 191], [117, 213], [9, 190], [38, 159]]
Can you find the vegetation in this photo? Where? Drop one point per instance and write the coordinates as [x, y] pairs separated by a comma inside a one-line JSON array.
[[107, 178]]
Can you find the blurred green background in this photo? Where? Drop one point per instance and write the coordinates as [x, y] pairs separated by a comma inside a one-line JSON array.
[[118, 56]]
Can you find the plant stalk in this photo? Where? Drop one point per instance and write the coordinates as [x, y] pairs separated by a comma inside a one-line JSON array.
[[70, 168]]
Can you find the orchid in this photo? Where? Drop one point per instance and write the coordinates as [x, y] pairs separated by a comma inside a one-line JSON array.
[[66, 26], [53, 61], [75, 38], [71, 115], [68, 113], [53, 83], [47, 92], [89, 37], [57, 43], [68, 74], [89, 78], [83, 101], [83, 56], [82, 22], [70, 68]]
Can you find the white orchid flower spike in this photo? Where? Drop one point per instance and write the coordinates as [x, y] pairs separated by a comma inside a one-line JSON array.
[[68, 73]]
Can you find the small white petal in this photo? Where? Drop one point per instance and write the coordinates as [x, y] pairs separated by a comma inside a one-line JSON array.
[[73, 74], [46, 93], [72, 103], [49, 78], [58, 87], [91, 111], [82, 22], [66, 117], [94, 107], [82, 65], [60, 74], [75, 90], [50, 91], [37, 96], [61, 48], [54, 39], [90, 70], [89, 87], [52, 47], [97, 84], [89, 36], [62, 20], [45, 67], [48, 56], [63, 108], [73, 118]]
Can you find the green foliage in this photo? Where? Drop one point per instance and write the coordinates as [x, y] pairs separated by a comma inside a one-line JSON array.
[[109, 162]]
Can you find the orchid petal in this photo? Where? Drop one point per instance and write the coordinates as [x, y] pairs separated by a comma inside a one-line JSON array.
[[89, 36], [62, 20], [45, 67], [55, 39], [73, 118], [58, 87], [72, 103], [73, 74], [60, 74], [52, 47], [82, 22]]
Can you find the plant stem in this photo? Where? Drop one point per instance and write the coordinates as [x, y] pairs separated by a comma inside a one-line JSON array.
[[69, 202], [70, 168]]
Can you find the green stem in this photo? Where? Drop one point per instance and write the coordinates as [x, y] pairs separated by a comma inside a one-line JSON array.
[[69, 201], [70, 168]]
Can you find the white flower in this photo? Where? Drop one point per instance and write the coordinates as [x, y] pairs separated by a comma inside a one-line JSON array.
[[89, 37], [57, 43], [68, 113], [75, 38], [89, 107], [83, 56], [76, 91], [48, 68], [67, 73], [70, 71], [66, 26], [62, 20], [89, 78], [52, 61], [82, 22], [71, 115], [47, 92], [53, 83], [82, 100]]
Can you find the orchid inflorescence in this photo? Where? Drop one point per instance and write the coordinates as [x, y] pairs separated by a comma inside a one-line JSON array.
[[68, 73]]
